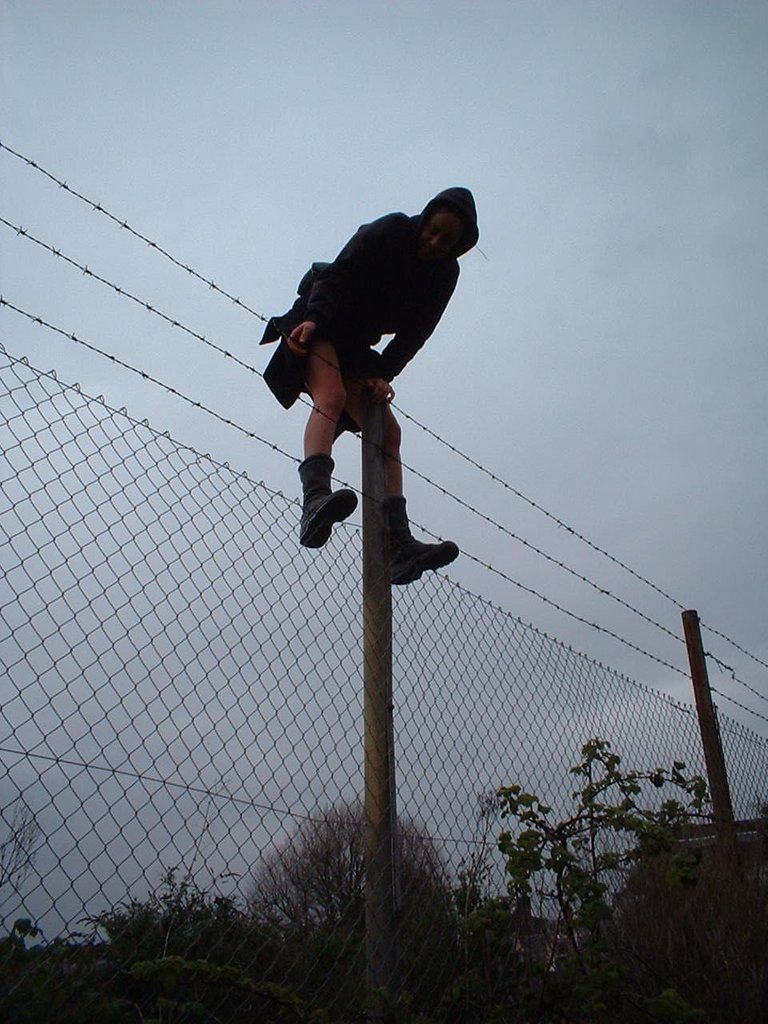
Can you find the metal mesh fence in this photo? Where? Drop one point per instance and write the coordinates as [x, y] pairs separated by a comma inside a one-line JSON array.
[[181, 724]]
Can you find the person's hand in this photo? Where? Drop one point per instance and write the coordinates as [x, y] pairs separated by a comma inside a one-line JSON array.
[[300, 337], [381, 390]]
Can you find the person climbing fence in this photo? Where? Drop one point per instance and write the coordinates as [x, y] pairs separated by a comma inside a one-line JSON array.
[[395, 276]]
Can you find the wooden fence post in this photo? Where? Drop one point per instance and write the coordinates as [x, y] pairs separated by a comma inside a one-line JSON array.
[[380, 804], [710, 734]]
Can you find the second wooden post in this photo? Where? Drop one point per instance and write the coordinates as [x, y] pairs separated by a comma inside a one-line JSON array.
[[710, 733]]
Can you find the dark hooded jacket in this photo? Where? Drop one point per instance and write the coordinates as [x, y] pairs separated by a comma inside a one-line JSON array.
[[376, 285]]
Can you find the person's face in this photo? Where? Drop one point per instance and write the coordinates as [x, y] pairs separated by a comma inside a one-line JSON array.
[[439, 236]]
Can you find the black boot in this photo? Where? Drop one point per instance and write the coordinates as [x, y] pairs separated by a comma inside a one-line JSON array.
[[411, 557], [322, 508]]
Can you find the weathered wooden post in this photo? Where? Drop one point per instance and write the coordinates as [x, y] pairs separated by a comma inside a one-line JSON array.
[[710, 734], [380, 809]]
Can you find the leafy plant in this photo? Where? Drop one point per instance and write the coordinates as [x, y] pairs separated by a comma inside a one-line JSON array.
[[578, 863]]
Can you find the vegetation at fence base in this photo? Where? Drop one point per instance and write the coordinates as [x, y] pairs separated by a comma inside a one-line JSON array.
[[182, 956], [580, 862], [613, 912], [645, 922], [311, 892], [711, 937]]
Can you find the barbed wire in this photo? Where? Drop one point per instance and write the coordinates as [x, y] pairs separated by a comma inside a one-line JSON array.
[[732, 673], [86, 270], [535, 505], [123, 224], [71, 336], [733, 644], [604, 591], [471, 557], [565, 611], [454, 584], [738, 704], [146, 425], [244, 430], [585, 540]]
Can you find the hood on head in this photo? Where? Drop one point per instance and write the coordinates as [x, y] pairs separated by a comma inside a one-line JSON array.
[[460, 201]]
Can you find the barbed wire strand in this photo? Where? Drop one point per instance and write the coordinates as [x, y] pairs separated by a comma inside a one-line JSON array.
[[123, 224], [147, 376], [732, 673], [71, 336], [738, 704], [579, 536], [83, 268], [738, 647], [166, 435], [123, 292], [454, 584]]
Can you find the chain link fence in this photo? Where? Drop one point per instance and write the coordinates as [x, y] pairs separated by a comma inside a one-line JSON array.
[[181, 728]]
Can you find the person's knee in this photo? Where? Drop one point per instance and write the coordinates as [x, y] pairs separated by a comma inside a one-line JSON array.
[[330, 399]]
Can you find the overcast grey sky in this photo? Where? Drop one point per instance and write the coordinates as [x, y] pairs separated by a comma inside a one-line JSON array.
[[606, 357]]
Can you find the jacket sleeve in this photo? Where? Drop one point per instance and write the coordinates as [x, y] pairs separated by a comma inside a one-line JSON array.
[[339, 280], [407, 342]]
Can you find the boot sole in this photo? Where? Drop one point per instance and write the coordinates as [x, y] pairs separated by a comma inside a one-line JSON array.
[[339, 506], [446, 553]]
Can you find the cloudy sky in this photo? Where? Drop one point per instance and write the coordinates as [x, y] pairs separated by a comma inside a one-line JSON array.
[[605, 354]]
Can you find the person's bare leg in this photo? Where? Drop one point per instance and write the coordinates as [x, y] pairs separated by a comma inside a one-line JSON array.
[[325, 385], [322, 507]]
